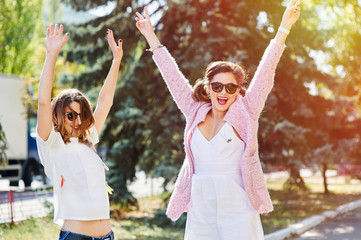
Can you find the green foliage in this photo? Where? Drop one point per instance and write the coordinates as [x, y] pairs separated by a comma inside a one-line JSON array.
[[19, 26], [21, 50]]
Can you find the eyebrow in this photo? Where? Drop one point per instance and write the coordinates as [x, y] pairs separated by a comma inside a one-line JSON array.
[[72, 110]]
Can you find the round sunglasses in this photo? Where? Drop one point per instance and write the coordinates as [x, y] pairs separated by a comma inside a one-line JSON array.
[[72, 115], [218, 87]]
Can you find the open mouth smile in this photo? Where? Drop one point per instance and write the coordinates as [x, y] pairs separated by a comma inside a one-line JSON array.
[[222, 100]]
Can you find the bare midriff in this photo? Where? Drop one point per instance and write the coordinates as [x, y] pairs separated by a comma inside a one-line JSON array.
[[94, 228]]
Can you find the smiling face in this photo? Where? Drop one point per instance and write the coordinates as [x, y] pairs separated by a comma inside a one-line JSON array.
[[222, 100], [217, 75], [72, 115], [72, 119]]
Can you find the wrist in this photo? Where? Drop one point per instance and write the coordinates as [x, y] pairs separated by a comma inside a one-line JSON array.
[[117, 59], [154, 48], [152, 40], [283, 30], [52, 54], [286, 26]]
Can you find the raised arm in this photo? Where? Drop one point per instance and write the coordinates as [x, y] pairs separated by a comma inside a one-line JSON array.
[[262, 81], [106, 95], [54, 42], [289, 18], [177, 84]]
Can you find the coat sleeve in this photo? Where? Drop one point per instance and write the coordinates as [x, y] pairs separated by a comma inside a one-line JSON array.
[[262, 82], [177, 84]]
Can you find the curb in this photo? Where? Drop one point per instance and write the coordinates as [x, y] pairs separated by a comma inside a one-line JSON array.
[[308, 223]]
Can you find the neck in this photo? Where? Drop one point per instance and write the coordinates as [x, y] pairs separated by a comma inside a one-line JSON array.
[[218, 115]]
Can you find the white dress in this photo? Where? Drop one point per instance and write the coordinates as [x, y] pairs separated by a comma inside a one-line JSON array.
[[219, 208]]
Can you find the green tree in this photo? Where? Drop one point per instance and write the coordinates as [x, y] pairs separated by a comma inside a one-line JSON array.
[[21, 50], [20, 22]]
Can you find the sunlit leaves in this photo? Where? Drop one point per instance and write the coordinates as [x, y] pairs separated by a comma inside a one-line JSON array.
[[20, 22]]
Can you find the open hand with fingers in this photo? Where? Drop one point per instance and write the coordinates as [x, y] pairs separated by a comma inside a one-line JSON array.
[[291, 14], [54, 39], [117, 49]]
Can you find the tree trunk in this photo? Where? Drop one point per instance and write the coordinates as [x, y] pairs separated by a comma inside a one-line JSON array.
[[325, 185], [295, 181]]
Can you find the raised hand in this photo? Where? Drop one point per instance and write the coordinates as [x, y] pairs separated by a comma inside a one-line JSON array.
[[291, 14], [54, 41], [143, 24], [145, 27], [117, 50]]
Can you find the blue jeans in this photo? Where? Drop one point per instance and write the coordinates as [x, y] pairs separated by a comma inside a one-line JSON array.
[[66, 235]]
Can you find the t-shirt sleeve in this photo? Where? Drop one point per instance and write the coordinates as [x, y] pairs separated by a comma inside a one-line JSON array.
[[50, 142], [44, 150], [93, 136]]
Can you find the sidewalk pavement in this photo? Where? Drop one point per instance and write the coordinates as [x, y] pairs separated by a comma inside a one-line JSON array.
[[344, 227], [305, 225]]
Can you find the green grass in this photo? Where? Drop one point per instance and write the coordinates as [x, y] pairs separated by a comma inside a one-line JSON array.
[[31, 229], [140, 228], [296, 207], [290, 207]]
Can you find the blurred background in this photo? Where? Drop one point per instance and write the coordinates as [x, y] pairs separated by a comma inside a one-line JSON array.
[[309, 131]]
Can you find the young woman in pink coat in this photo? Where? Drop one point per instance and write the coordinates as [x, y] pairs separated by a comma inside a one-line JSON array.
[[221, 183]]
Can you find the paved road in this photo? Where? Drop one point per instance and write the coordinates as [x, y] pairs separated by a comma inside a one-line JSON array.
[[344, 227]]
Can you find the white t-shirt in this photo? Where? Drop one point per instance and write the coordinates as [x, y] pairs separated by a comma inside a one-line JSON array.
[[78, 176]]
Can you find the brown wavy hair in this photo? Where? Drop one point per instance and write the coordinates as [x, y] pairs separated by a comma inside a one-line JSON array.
[[63, 100], [201, 85]]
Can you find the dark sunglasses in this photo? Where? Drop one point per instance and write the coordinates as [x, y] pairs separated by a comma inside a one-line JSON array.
[[72, 115], [218, 87]]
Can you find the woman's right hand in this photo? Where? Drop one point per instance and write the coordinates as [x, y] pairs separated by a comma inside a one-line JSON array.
[[145, 27], [291, 14], [54, 41], [143, 24]]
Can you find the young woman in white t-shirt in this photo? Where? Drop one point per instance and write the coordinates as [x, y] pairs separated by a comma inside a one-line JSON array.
[[66, 134]]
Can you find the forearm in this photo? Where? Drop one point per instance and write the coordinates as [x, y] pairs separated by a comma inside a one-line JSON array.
[[152, 40], [106, 94], [280, 37], [44, 96], [47, 79]]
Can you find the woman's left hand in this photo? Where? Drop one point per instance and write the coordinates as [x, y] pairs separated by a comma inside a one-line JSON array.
[[291, 14], [116, 49]]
